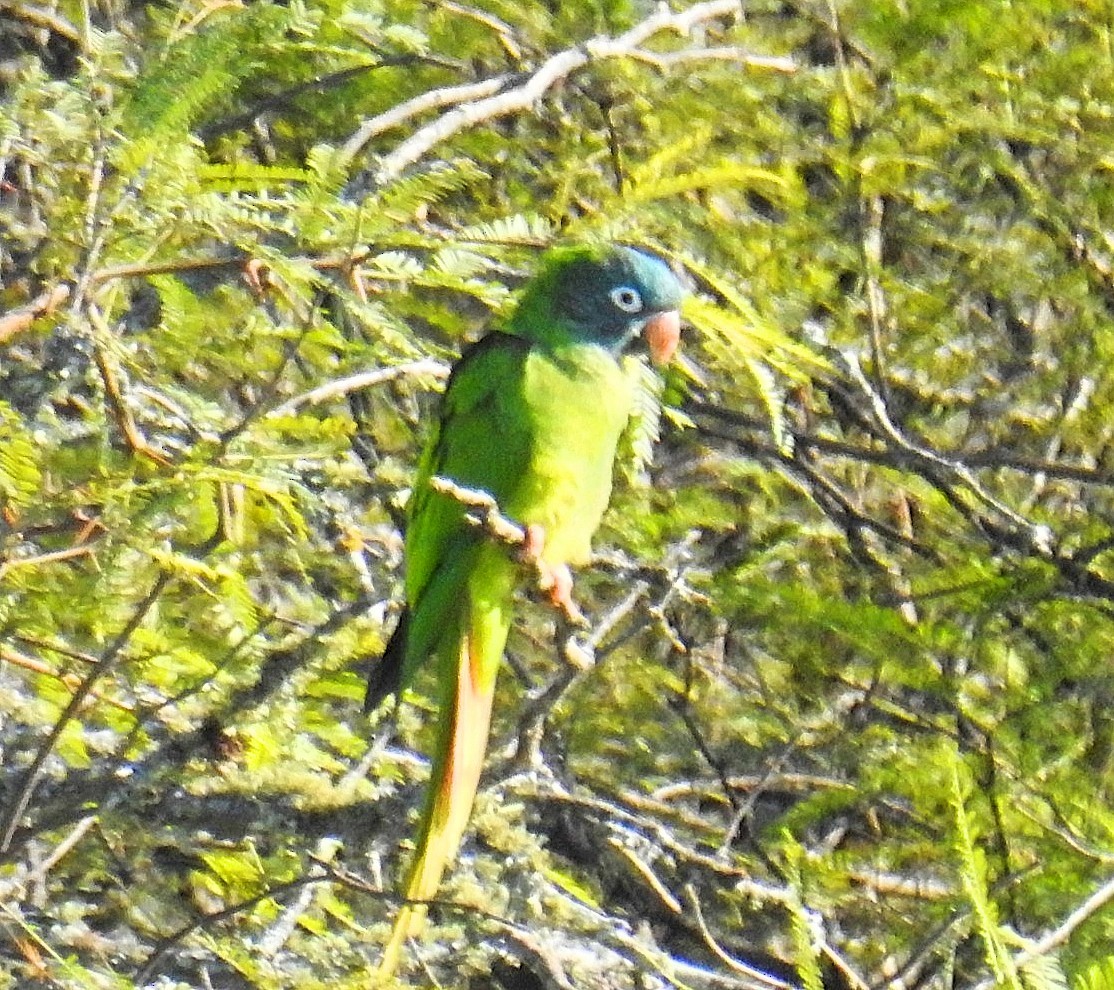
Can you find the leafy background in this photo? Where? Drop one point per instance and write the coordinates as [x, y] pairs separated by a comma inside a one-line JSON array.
[[849, 723]]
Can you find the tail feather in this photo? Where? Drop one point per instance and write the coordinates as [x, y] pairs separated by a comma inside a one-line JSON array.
[[386, 676], [452, 789]]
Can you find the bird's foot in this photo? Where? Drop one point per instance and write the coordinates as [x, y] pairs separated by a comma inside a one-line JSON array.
[[257, 275], [533, 543], [554, 579]]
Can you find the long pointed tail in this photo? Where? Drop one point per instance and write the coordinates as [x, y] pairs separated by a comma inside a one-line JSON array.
[[452, 786]]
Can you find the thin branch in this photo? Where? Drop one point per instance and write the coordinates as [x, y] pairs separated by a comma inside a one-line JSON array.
[[115, 395], [1038, 537], [69, 553], [722, 53], [547, 75], [60, 851], [532, 719], [434, 99], [165, 944], [19, 320], [9, 820], [897, 458], [1060, 935], [284, 100], [644, 870], [43, 304], [736, 965], [546, 967], [489, 518], [17, 659], [44, 18], [500, 27], [365, 379]]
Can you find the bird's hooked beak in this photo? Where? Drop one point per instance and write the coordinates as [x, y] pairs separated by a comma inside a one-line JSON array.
[[662, 333]]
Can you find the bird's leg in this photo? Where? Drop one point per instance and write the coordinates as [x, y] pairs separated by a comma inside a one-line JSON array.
[[554, 579]]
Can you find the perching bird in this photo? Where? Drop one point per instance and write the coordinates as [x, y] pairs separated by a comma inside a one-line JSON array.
[[532, 416]]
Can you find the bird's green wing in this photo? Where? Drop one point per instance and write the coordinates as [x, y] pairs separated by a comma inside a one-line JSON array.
[[459, 587], [481, 441]]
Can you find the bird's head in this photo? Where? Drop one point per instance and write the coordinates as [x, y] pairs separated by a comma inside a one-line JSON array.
[[616, 297]]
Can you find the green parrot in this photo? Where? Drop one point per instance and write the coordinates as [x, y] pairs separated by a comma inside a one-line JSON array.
[[532, 416]]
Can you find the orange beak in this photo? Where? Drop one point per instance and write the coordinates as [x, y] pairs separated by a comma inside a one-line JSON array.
[[662, 334]]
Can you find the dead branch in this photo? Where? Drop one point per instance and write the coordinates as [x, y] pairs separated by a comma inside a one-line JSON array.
[[554, 69], [365, 379], [9, 819], [434, 99], [44, 304], [1060, 935], [116, 400]]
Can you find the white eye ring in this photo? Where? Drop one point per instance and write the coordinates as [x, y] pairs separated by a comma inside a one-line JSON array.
[[626, 299]]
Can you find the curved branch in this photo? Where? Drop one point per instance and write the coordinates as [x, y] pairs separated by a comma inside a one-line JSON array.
[[365, 379], [551, 72]]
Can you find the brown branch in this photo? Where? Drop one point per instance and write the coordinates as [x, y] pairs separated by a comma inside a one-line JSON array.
[[895, 457], [284, 100], [167, 942], [498, 527], [434, 99], [722, 53], [531, 722], [45, 558], [17, 659], [118, 404], [1059, 936], [18, 320]]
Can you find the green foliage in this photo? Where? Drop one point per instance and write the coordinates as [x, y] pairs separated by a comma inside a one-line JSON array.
[[849, 721], [1097, 976]]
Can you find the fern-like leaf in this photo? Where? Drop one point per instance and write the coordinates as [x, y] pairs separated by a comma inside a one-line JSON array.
[[20, 477]]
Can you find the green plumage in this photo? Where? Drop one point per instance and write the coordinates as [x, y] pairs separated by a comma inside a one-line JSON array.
[[532, 416]]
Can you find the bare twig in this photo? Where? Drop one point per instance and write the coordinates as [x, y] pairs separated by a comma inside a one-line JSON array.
[[898, 458], [532, 720], [165, 944], [643, 869], [1038, 537], [45, 18], [115, 395], [557, 67], [9, 820], [504, 31], [69, 553], [1060, 935], [546, 966], [17, 659], [286, 98], [60, 851], [44, 304], [736, 965], [494, 524], [488, 518], [434, 99], [721, 53], [365, 379]]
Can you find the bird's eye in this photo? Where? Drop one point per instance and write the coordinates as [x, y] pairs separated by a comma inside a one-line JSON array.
[[626, 299]]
